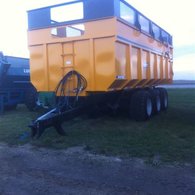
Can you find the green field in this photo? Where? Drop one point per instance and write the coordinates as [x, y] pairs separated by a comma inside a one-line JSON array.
[[169, 135]]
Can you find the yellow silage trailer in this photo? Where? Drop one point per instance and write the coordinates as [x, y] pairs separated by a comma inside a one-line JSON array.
[[89, 55]]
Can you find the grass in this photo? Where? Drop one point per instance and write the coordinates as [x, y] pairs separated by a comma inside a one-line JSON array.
[[170, 135]]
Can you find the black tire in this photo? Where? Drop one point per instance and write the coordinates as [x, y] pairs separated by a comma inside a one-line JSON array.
[[31, 98], [156, 101], [141, 105], [163, 98]]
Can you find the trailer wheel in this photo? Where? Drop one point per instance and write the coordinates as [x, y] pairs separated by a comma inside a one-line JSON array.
[[156, 101], [163, 98], [141, 105], [31, 98]]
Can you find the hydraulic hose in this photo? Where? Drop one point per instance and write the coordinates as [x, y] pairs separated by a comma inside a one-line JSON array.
[[72, 83]]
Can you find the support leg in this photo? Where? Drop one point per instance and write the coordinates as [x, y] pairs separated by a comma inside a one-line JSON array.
[[59, 129]]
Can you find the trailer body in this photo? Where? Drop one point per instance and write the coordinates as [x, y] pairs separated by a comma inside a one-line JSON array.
[[14, 81], [115, 48], [109, 50]]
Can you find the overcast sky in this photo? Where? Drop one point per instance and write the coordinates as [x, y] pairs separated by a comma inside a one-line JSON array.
[[176, 17]]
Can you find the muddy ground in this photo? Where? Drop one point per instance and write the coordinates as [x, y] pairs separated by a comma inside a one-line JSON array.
[[26, 170]]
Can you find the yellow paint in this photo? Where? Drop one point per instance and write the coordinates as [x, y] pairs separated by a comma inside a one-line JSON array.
[[110, 54]]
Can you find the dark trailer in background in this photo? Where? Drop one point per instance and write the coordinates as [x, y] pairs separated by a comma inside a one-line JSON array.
[[14, 81]]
